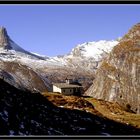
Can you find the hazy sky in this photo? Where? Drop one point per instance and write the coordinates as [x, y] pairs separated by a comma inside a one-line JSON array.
[[55, 29]]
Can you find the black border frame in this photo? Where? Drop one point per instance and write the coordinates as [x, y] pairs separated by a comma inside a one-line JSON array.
[[65, 2], [61, 2]]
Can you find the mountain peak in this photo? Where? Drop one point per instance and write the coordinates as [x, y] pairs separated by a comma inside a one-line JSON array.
[[2, 28], [4, 38], [133, 34], [6, 43]]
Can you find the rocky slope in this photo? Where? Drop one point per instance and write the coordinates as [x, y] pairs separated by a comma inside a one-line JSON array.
[[23, 113], [117, 79], [23, 77]]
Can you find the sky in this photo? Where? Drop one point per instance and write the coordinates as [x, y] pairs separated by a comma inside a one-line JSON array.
[[55, 29]]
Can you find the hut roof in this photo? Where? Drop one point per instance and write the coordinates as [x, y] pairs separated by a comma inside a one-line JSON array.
[[65, 85]]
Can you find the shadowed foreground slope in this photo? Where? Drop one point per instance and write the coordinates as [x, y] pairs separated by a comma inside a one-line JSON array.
[[24, 113]]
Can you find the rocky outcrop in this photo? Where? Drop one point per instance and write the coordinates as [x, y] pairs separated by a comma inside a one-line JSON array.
[[117, 78]]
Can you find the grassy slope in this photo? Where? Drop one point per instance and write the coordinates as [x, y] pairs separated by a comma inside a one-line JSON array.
[[99, 107], [115, 112]]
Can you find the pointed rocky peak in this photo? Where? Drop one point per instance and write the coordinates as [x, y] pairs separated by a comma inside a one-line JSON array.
[[4, 39], [6, 43]]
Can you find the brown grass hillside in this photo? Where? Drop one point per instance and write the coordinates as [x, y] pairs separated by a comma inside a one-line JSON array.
[[115, 112], [102, 108]]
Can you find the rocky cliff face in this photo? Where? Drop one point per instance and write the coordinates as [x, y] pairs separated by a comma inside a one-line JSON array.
[[117, 78]]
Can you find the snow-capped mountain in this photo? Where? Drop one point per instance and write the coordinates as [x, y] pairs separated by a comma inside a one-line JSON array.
[[81, 55], [93, 49], [80, 63], [13, 71], [86, 53], [7, 44]]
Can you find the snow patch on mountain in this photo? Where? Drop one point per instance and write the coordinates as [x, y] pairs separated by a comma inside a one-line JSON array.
[[82, 54], [94, 49]]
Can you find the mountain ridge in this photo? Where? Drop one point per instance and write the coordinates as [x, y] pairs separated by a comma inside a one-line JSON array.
[[81, 66]]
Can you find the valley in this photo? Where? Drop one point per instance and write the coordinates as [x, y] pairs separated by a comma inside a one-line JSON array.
[[108, 72]]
